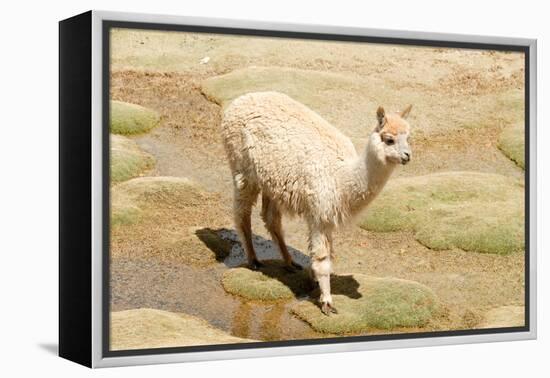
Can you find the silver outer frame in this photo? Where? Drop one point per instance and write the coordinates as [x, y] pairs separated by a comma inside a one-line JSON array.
[[97, 254]]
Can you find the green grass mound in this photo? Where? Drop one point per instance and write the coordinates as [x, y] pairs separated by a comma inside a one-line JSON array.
[[127, 159], [327, 93], [124, 213], [303, 85], [272, 282], [472, 211], [132, 198], [129, 119], [306, 86], [512, 143], [148, 328], [365, 303]]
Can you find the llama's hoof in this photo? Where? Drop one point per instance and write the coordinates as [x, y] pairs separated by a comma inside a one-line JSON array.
[[255, 264], [327, 309]]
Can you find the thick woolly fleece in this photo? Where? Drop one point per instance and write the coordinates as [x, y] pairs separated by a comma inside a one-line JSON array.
[[291, 154]]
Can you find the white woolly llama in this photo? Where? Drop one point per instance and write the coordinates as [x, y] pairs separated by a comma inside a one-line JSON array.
[[304, 166]]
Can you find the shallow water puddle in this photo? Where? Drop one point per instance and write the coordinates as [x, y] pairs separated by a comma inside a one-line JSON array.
[[171, 286]]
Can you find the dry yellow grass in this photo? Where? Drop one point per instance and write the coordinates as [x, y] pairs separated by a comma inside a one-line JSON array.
[[148, 328], [349, 101], [512, 143], [504, 316], [170, 217], [439, 82], [163, 51]]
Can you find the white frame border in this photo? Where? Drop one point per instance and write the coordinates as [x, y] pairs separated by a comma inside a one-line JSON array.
[[97, 187]]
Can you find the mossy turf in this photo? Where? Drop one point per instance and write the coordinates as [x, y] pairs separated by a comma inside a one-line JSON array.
[[128, 160], [130, 119], [512, 143], [148, 328], [327, 93], [472, 211], [272, 282], [302, 85], [132, 198], [365, 303], [168, 217]]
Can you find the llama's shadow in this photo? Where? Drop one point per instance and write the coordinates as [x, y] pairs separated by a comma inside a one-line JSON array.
[[215, 241], [225, 245]]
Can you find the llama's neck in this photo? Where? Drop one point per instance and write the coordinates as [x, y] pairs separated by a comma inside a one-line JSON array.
[[367, 175]]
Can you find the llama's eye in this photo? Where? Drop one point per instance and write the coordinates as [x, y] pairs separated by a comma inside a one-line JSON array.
[[389, 141]]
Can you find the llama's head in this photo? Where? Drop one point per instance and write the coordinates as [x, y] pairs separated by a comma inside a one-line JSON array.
[[392, 135]]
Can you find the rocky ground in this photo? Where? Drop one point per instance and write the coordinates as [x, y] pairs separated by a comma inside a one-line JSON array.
[[172, 240]]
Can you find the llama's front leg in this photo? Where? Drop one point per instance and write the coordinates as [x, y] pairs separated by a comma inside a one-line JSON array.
[[319, 249]]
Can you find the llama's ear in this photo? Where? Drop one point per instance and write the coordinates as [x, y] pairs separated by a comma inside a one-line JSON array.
[[405, 112], [381, 116]]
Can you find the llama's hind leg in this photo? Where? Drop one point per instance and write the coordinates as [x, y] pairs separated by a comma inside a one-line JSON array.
[[272, 218], [320, 251], [244, 198]]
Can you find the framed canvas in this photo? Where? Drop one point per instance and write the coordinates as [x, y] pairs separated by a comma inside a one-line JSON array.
[[234, 189]]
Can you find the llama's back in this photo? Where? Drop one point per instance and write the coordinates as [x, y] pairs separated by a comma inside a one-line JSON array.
[[286, 149]]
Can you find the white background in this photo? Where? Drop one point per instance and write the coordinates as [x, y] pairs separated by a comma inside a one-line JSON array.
[[28, 198]]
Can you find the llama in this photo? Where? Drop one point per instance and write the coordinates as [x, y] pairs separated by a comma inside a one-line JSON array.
[[304, 166]]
